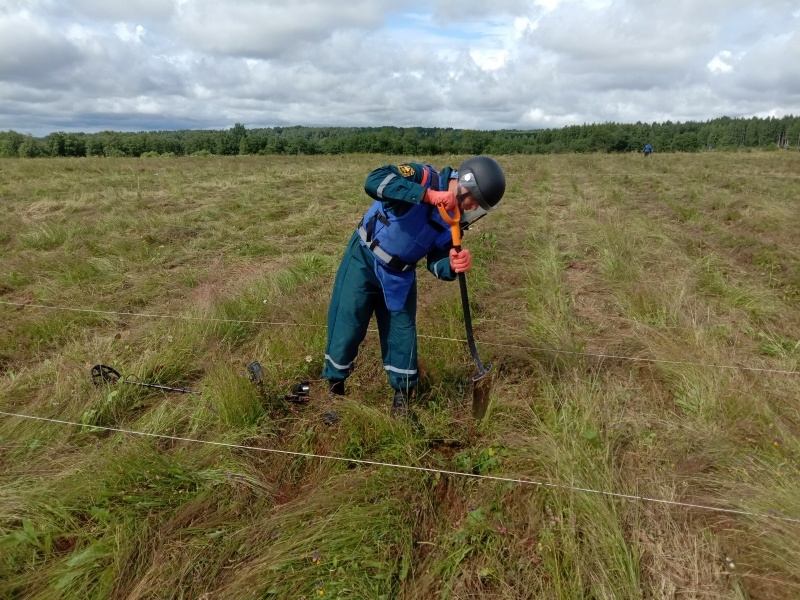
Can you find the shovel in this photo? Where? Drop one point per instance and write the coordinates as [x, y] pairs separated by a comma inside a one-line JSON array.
[[482, 384]]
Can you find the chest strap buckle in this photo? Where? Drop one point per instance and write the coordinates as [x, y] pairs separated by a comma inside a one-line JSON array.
[[395, 263]]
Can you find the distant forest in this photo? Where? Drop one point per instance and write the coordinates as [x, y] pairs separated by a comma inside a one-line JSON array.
[[719, 134]]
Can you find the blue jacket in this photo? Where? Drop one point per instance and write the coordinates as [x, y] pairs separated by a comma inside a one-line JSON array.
[[400, 230]]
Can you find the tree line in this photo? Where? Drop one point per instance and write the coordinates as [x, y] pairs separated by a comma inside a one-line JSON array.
[[724, 133]]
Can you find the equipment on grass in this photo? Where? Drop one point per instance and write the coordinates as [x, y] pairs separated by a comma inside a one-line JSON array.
[[255, 372], [297, 395], [105, 374], [481, 382]]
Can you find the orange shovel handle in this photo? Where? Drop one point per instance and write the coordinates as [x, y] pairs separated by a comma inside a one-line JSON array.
[[455, 227]]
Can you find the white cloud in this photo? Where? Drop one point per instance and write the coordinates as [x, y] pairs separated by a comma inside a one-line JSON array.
[[268, 29], [94, 64], [30, 48], [129, 33], [489, 60], [122, 10], [548, 5], [721, 63]]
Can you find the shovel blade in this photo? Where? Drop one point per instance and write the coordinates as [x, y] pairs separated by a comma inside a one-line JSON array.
[[481, 388]]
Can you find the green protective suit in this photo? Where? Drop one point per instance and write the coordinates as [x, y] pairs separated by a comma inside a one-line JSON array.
[[358, 294]]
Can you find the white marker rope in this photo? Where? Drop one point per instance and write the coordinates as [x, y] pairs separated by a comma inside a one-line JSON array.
[[430, 337], [413, 468]]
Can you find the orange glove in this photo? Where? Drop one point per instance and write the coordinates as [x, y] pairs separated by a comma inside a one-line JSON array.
[[460, 262], [445, 199]]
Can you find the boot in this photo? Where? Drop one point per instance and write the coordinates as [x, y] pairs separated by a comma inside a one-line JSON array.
[[400, 403], [401, 409], [336, 388]]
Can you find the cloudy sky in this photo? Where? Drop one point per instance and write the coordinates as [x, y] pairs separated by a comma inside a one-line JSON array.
[[136, 65]]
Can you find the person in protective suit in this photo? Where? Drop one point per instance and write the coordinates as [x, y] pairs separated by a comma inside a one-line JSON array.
[[377, 273]]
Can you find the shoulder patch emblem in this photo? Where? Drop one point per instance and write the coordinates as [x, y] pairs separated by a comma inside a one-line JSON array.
[[406, 170]]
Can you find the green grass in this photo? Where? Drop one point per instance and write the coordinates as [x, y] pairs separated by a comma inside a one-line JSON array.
[[611, 294]]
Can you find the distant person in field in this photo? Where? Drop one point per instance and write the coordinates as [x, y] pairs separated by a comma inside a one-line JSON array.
[[377, 274], [648, 150]]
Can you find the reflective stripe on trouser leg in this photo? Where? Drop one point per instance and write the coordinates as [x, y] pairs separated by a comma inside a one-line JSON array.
[[356, 291], [398, 335]]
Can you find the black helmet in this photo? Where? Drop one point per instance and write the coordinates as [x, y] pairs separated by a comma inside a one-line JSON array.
[[484, 179]]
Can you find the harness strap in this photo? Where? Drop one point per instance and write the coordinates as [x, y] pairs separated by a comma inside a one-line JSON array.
[[430, 174], [396, 263]]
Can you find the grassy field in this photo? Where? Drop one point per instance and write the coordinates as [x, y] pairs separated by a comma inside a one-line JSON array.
[[641, 315]]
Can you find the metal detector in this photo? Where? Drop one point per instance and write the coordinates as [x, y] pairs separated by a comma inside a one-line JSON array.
[[104, 374]]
